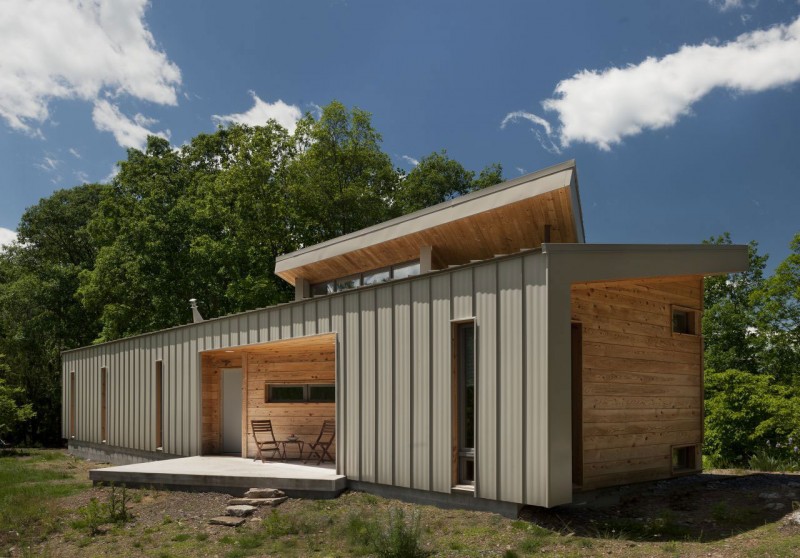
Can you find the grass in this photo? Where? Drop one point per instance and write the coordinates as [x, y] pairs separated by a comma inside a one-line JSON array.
[[175, 524]]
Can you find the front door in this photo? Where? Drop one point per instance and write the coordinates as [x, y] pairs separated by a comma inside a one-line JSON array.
[[232, 411]]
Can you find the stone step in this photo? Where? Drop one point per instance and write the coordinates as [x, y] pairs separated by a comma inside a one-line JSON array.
[[240, 511], [226, 520], [264, 493], [258, 502]]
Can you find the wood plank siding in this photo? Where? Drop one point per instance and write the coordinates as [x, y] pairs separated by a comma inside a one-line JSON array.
[[642, 383]]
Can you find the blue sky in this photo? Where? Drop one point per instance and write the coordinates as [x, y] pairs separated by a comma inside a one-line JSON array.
[[684, 117]]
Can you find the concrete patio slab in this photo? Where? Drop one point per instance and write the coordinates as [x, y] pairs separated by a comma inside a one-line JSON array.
[[231, 475]]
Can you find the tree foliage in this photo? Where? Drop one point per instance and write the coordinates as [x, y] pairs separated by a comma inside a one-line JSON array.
[[751, 326]]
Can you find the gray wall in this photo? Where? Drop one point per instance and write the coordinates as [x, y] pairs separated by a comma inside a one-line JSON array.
[[393, 379]]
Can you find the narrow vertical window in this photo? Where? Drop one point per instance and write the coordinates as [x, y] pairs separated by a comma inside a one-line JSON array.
[[159, 404], [465, 365], [72, 404], [103, 405]]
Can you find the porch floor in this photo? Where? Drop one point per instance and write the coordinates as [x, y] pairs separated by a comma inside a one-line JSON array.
[[231, 475]]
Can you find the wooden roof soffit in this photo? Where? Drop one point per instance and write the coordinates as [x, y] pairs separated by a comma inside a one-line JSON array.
[[503, 219]]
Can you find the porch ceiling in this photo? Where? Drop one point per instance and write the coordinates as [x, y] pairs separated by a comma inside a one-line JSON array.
[[316, 344]]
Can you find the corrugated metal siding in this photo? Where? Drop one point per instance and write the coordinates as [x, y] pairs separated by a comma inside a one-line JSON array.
[[393, 377]]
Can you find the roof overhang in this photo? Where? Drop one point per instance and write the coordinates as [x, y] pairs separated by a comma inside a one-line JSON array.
[[569, 263], [501, 219]]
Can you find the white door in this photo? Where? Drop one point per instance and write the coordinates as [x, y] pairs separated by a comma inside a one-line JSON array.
[[232, 411]]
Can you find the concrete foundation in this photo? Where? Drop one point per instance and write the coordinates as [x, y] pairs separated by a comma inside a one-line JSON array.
[[103, 453], [454, 500]]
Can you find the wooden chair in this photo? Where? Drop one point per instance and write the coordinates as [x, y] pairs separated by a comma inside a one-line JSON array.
[[264, 437], [321, 447]]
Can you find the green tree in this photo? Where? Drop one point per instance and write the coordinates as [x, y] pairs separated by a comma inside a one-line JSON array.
[[341, 181], [438, 178], [39, 315], [732, 338]]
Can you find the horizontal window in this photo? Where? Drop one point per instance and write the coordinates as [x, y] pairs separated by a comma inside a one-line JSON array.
[[373, 277], [300, 393]]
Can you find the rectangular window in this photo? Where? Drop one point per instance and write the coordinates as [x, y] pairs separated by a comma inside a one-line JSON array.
[[378, 276], [405, 270], [684, 320], [322, 289], [72, 404], [322, 393], [347, 283], [465, 397], [286, 394], [300, 393], [103, 405], [159, 406]]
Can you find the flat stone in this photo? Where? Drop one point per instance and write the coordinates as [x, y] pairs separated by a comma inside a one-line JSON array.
[[264, 493], [240, 511], [258, 502], [769, 495], [226, 520], [775, 506]]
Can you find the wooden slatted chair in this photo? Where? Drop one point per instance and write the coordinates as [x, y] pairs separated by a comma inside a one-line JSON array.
[[264, 437], [321, 447]]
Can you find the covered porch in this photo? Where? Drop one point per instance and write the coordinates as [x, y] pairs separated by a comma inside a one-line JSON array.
[[231, 475], [289, 382]]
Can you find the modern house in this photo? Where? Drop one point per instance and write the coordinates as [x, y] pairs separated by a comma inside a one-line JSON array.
[[476, 347]]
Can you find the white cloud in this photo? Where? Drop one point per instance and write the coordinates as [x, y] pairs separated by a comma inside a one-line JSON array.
[[285, 115], [521, 114], [56, 49], [410, 160], [74, 152], [7, 236], [726, 5], [128, 132], [48, 164], [81, 176], [602, 107]]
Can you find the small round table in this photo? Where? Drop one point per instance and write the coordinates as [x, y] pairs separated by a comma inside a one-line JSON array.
[[296, 441]]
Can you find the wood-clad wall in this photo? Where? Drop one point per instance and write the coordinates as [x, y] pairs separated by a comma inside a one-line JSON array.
[[642, 384], [280, 363], [212, 373]]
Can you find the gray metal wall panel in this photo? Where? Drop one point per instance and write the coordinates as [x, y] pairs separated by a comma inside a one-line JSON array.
[[385, 380], [461, 285], [393, 378], [286, 322], [421, 384], [535, 457], [441, 370], [352, 365], [487, 445], [336, 309], [402, 384], [510, 376], [368, 417], [310, 318]]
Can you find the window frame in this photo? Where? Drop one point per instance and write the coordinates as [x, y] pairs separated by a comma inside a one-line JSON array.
[[268, 386], [692, 319]]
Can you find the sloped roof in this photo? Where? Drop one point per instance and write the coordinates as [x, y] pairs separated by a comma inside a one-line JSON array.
[[501, 219]]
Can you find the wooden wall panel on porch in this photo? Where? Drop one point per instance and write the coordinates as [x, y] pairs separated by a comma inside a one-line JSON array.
[[212, 366], [309, 360], [642, 385]]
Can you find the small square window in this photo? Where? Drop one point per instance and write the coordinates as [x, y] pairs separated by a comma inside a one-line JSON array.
[[322, 289], [405, 270], [377, 276], [684, 321], [322, 394], [684, 459]]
